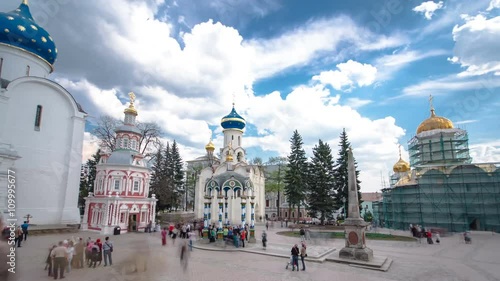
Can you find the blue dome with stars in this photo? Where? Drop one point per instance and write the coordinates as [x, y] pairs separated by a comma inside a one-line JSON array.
[[18, 29], [233, 121]]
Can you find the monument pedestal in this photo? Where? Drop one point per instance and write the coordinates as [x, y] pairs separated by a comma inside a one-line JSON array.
[[355, 245], [252, 236]]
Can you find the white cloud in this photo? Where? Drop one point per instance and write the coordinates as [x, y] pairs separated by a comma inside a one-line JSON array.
[[494, 4], [388, 65], [349, 75], [90, 146], [428, 8], [482, 86], [357, 102], [485, 152], [374, 141], [477, 42], [465, 122]]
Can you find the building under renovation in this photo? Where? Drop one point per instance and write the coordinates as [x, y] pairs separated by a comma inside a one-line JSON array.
[[440, 187]]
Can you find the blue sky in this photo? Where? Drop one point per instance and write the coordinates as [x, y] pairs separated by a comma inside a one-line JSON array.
[[314, 66]]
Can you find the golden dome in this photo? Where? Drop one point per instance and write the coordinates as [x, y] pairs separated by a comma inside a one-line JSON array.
[[434, 122], [401, 166], [229, 157], [210, 146]]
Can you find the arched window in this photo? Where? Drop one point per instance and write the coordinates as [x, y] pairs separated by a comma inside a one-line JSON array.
[[239, 140], [1, 65], [133, 144], [125, 143], [286, 214], [232, 137], [38, 117]]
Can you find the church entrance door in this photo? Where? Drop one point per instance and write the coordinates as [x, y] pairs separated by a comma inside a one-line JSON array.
[[132, 223]]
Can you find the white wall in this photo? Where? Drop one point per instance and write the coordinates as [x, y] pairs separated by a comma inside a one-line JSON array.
[[15, 62], [49, 170]]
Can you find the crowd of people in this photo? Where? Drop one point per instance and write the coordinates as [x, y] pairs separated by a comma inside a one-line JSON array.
[[74, 253]]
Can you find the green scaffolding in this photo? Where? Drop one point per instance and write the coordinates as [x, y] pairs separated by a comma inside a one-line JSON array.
[[458, 198]]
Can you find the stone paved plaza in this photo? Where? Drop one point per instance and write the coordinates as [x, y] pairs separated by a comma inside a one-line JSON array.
[[452, 260]]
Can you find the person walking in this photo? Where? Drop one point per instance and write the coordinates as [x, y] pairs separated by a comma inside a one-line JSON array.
[[295, 257], [24, 227], [302, 234], [267, 225], [19, 236], [438, 238], [264, 239], [107, 249], [164, 236], [59, 258], [303, 254], [243, 236], [70, 249], [184, 255], [79, 250]]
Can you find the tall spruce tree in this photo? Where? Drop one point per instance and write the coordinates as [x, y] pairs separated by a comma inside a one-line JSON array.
[[341, 177], [157, 177], [295, 176], [178, 184], [321, 192]]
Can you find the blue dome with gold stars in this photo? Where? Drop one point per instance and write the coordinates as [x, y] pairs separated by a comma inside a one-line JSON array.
[[233, 121], [18, 29]]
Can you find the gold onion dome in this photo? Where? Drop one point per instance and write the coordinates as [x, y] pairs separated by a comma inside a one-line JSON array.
[[401, 166], [210, 146], [434, 122]]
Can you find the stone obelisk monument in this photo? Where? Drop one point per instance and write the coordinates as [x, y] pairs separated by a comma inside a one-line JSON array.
[[355, 227]]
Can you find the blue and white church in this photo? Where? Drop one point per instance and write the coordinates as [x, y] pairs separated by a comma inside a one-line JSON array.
[[41, 126], [229, 190]]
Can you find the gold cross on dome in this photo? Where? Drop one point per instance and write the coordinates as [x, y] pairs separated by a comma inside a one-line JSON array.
[[132, 97]]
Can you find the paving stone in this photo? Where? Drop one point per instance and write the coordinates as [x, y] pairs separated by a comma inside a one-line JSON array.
[[452, 260]]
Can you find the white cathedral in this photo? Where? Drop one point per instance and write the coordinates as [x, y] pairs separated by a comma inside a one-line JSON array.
[[229, 190], [41, 126]]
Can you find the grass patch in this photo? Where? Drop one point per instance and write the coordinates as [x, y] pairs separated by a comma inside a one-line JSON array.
[[332, 235]]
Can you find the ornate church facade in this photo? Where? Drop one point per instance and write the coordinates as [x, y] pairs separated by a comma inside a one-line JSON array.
[[229, 190], [120, 200], [41, 126]]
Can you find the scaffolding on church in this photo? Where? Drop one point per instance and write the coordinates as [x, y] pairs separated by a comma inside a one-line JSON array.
[[447, 148], [456, 198]]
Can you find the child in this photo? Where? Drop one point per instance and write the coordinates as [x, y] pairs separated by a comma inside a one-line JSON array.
[[438, 238]]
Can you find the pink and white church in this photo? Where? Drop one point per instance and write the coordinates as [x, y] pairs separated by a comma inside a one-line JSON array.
[[121, 188]]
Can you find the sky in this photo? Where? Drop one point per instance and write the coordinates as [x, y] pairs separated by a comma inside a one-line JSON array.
[[312, 66]]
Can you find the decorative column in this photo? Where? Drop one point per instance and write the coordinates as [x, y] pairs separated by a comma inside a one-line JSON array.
[[225, 212], [220, 214], [205, 222], [243, 209], [252, 221], [220, 232]]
